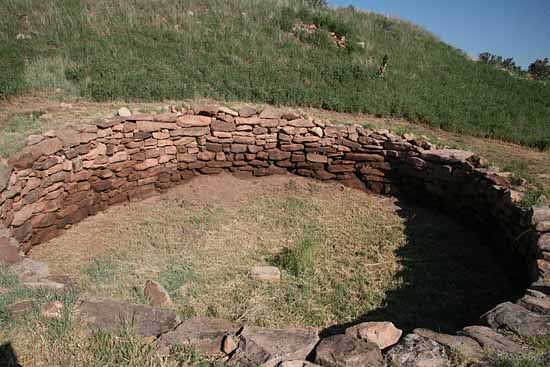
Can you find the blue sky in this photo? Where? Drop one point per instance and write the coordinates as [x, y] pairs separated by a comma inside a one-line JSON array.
[[509, 28]]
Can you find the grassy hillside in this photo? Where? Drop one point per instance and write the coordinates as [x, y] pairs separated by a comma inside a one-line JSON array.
[[247, 50]]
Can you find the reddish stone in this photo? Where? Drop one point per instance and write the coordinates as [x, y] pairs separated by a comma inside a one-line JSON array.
[[363, 157], [9, 251], [238, 148], [45, 234], [219, 164], [335, 168], [218, 125], [210, 170], [278, 155]]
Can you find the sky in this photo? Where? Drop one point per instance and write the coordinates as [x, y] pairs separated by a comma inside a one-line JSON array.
[[508, 28]]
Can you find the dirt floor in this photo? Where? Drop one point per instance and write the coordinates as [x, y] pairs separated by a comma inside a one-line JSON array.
[[348, 255]]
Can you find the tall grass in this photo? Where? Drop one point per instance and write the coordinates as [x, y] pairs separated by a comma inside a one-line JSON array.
[[246, 50]]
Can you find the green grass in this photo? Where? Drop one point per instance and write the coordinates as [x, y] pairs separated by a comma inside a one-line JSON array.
[[301, 258], [14, 132], [246, 50]]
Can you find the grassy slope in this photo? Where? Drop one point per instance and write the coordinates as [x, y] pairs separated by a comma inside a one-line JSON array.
[[244, 50]]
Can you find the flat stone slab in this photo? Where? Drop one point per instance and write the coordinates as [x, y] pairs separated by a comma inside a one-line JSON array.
[[467, 347], [268, 347], [518, 319], [446, 155], [265, 273], [417, 351], [536, 301], [492, 341], [9, 251], [112, 315], [383, 334], [203, 333], [29, 270], [347, 351], [20, 308]]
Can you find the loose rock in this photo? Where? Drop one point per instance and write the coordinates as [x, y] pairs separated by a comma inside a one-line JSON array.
[[9, 251], [229, 345], [20, 308], [492, 341], [517, 319], [53, 310], [247, 111], [347, 351], [416, 351], [536, 302], [156, 294], [467, 347], [124, 112], [203, 333], [268, 347], [383, 334], [28, 270], [265, 273], [112, 315]]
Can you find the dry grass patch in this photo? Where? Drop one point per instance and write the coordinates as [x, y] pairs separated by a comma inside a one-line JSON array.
[[199, 241], [345, 255]]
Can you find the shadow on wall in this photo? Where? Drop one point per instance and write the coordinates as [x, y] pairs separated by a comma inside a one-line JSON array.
[[7, 356], [450, 275]]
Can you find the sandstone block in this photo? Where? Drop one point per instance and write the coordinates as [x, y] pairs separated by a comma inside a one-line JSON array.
[[247, 111], [318, 158], [416, 351], [190, 131], [265, 273], [517, 319], [156, 294], [268, 347], [383, 334], [347, 351], [53, 310], [206, 334], [111, 315], [271, 113]]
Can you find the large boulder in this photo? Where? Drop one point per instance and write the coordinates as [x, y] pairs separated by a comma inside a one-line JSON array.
[[268, 347], [347, 351], [494, 342], [383, 334], [112, 315], [205, 334], [518, 319], [417, 351], [467, 347]]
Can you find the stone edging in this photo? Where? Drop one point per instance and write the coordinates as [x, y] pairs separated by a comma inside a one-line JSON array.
[[63, 176]]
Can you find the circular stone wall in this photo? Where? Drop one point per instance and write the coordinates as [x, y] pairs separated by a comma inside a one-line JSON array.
[[64, 176]]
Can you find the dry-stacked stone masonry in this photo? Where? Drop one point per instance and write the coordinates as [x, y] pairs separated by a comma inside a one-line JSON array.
[[63, 176]]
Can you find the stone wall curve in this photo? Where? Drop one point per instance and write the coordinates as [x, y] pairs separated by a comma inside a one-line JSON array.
[[61, 177]]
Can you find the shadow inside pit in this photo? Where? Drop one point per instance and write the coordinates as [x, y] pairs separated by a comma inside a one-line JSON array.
[[8, 358], [450, 274]]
